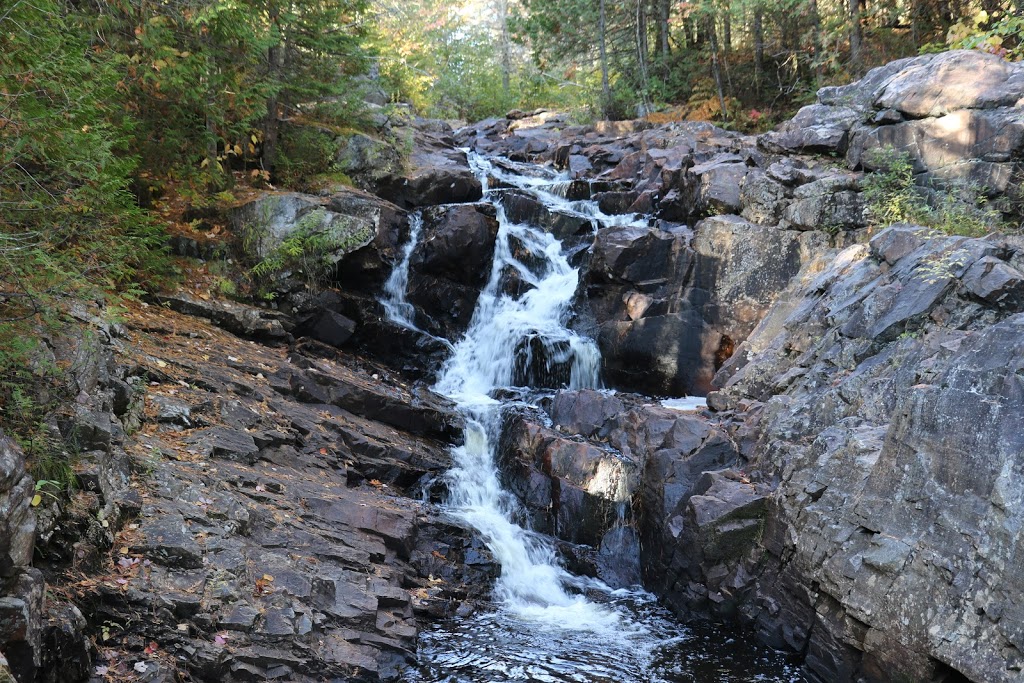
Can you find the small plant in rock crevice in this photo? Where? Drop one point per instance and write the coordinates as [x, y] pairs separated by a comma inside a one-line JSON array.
[[956, 208]]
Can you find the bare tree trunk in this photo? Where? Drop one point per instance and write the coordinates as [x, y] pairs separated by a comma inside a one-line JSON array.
[[715, 71], [506, 47], [856, 38], [758, 29], [727, 29], [606, 91], [270, 120], [641, 57], [664, 9]]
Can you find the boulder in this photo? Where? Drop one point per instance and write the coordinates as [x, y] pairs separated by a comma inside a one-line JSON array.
[[437, 172]]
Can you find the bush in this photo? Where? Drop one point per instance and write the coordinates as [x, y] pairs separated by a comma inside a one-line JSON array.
[[955, 208]]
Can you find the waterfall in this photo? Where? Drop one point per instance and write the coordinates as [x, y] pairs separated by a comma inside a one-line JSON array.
[[544, 627], [396, 307], [531, 583]]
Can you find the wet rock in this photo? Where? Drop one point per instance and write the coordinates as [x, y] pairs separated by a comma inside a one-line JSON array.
[[457, 243], [522, 207], [573, 489], [367, 268], [542, 363]]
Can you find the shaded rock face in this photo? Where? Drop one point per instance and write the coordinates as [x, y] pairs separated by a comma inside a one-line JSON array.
[[450, 265], [887, 403], [608, 475], [21, 587], [670, 302]]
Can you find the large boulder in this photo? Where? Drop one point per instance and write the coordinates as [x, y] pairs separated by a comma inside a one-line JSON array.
[[450, 265], [350, 225], [671, 304], [436, 172]]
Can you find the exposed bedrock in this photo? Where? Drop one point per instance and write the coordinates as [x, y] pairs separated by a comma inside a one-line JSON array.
[[884, 396]]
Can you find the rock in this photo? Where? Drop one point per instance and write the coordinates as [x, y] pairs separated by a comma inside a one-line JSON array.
[[266, 222], [951, 81], [815, 128], [457, 243], [870, 373], [246, 321], [720, 181], [995, 282], [172, 410], [332, 328], [438, 173], [832, 204], [522, 207], [367, 160], [763, 199], [17, 521], [220, 442], [365, 269], [21, 623]]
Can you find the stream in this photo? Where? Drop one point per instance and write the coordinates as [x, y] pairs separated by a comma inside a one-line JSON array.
[[544, 623]]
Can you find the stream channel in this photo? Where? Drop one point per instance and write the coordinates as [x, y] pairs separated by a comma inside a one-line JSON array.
[[544, 623]]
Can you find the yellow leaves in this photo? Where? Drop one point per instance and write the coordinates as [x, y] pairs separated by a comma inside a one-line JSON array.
[[36, 500], [263, 585]]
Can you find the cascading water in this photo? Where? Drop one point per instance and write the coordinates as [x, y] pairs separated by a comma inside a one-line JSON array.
[[396, 307], [546, 625]]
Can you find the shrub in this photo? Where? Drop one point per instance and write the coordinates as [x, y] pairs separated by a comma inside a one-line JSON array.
[[954, 208]]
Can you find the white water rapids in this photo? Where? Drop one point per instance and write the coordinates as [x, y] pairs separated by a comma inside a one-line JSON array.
[[548, 625]]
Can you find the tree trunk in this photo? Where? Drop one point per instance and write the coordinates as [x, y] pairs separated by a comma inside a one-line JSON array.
[[506, 47], [271, 123], [715, 71], [606, 91], [727, 29], [664, 9], [641, 57], [856, 38], [758, 30]]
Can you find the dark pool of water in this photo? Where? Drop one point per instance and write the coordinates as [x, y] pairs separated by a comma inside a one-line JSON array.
[[647, 647]]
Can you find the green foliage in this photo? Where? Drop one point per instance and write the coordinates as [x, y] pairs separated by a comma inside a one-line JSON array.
[[890, 192], [307, 252], [957, 208], [305, 152], [1002, 36]]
